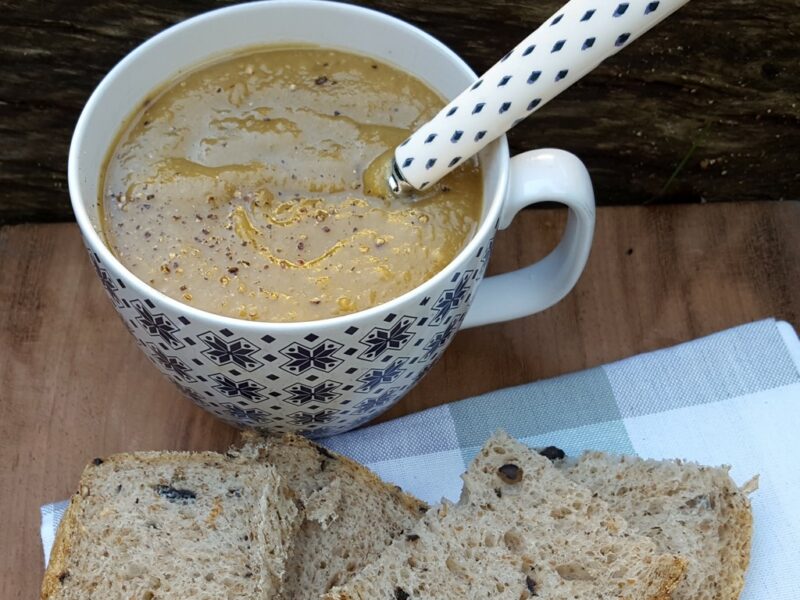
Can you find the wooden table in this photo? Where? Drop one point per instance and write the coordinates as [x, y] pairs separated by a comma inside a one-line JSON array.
[[73, 384]]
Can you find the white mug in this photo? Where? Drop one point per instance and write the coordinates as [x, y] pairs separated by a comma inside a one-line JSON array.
[[329, 376]]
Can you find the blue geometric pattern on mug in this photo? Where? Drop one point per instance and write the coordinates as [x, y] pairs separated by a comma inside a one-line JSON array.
[[309, 418], [373, 405], [239, 351], [374, 378], [302, 358], [251, 416], [301, 393], [106, 280], [417, 375], [157, 325], [452, 298], [172, 364], [379, 340], [442, 338], [322, 431], [319, 383], [247, 388], [485, 255]]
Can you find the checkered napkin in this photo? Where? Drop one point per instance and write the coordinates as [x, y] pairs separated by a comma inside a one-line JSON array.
[[729, 398]]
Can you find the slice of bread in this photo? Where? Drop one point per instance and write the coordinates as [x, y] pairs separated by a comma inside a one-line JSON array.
[[172, 525], [351, 515], [520, 530], [687, 509]]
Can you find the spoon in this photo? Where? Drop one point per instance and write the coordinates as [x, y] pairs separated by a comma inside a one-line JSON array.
[[577, 38]]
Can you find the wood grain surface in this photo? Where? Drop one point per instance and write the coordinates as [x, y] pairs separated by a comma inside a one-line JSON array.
[[73, 384], [705, 107]]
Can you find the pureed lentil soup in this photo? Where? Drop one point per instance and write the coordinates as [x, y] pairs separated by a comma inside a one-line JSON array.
[[242, 188]]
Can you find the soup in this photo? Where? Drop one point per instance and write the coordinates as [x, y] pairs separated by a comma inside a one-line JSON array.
[[243, 188]]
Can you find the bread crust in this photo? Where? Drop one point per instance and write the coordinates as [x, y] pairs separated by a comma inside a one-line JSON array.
[[732, 511], [59, 555], [742, 519]]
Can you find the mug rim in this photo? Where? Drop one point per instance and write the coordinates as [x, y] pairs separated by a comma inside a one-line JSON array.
[[94, 240]]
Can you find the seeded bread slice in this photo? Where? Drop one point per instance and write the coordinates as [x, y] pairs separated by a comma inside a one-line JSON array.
[[171, 525], [520, 530], [687, 509], [351, 515]]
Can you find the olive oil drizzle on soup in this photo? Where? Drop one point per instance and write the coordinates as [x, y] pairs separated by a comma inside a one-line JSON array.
[[240, 189]]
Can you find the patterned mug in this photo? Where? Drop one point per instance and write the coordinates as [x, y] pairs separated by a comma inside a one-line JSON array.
[[329, 376]]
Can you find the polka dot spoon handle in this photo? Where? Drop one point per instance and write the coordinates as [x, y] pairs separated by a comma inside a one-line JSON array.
[[566, 47]]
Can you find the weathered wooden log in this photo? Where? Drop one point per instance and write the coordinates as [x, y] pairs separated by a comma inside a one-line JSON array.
[[704, 108]]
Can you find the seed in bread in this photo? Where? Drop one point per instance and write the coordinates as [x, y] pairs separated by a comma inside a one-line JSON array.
[[520, 530], [173, 525]]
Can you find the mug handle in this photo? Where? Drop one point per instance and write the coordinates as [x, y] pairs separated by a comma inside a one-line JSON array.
[[545, 175]]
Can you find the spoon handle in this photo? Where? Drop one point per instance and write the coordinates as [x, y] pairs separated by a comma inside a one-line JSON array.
[[581, 35]]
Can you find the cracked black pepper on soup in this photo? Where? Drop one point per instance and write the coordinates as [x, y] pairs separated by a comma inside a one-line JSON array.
[[243, 188]]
